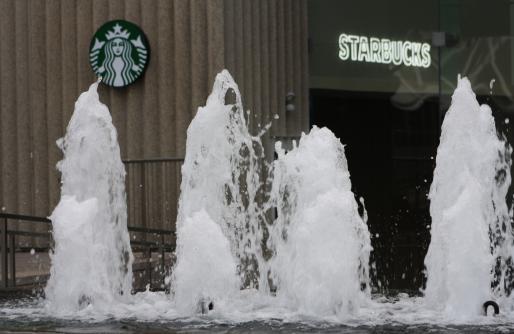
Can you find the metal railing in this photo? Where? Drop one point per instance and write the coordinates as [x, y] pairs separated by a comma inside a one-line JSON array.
[[153, 189], [8, 245], [147, 247], [143, 240]]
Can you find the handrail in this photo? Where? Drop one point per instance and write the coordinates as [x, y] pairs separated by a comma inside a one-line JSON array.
[[29, 234], [150, 230], [24, 217], [8, 245], [152, 244], [158, 159], [36, 219]]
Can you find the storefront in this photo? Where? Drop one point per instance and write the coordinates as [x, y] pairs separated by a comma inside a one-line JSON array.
[[381, 77]]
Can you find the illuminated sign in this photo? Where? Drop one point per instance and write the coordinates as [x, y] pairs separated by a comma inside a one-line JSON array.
[[384, 51]]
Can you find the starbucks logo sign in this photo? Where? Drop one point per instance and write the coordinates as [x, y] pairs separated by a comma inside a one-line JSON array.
[[119, 53]]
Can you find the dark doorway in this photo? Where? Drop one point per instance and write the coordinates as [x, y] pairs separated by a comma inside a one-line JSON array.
[[391, 155]]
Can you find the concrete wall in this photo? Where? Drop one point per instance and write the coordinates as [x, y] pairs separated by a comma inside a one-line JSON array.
[[44, 67]]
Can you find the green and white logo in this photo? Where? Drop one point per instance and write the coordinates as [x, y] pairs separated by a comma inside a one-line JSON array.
[[119, 53]]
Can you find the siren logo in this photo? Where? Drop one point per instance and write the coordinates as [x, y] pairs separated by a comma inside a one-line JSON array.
[[384, 51], [119, 53]]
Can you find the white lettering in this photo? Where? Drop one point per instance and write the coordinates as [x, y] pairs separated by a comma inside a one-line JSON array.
[[354, 41], [364, 49], [344, 51], [425, 54], [384, 50], [416, 54], [407, 53], [375, 53], [397, 52]]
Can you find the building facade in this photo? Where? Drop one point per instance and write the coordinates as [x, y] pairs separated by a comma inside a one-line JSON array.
[[44, 66]]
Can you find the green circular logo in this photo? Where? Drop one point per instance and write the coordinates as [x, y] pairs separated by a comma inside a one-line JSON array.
[[119, 53]]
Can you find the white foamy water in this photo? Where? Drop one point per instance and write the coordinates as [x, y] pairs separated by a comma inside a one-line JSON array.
[[318, 242], [92, 259], [321, 245], [327, 244], [221, 176], [206, 270], [467, 203]]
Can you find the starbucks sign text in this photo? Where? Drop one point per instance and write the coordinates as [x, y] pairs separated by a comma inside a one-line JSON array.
[[384, 51]]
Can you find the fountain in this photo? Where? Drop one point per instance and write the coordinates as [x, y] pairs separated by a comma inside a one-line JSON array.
[[284, 243], [92, 259], [206, 270], [221, 180], [320, 243], [326, 239], [471, 243]]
